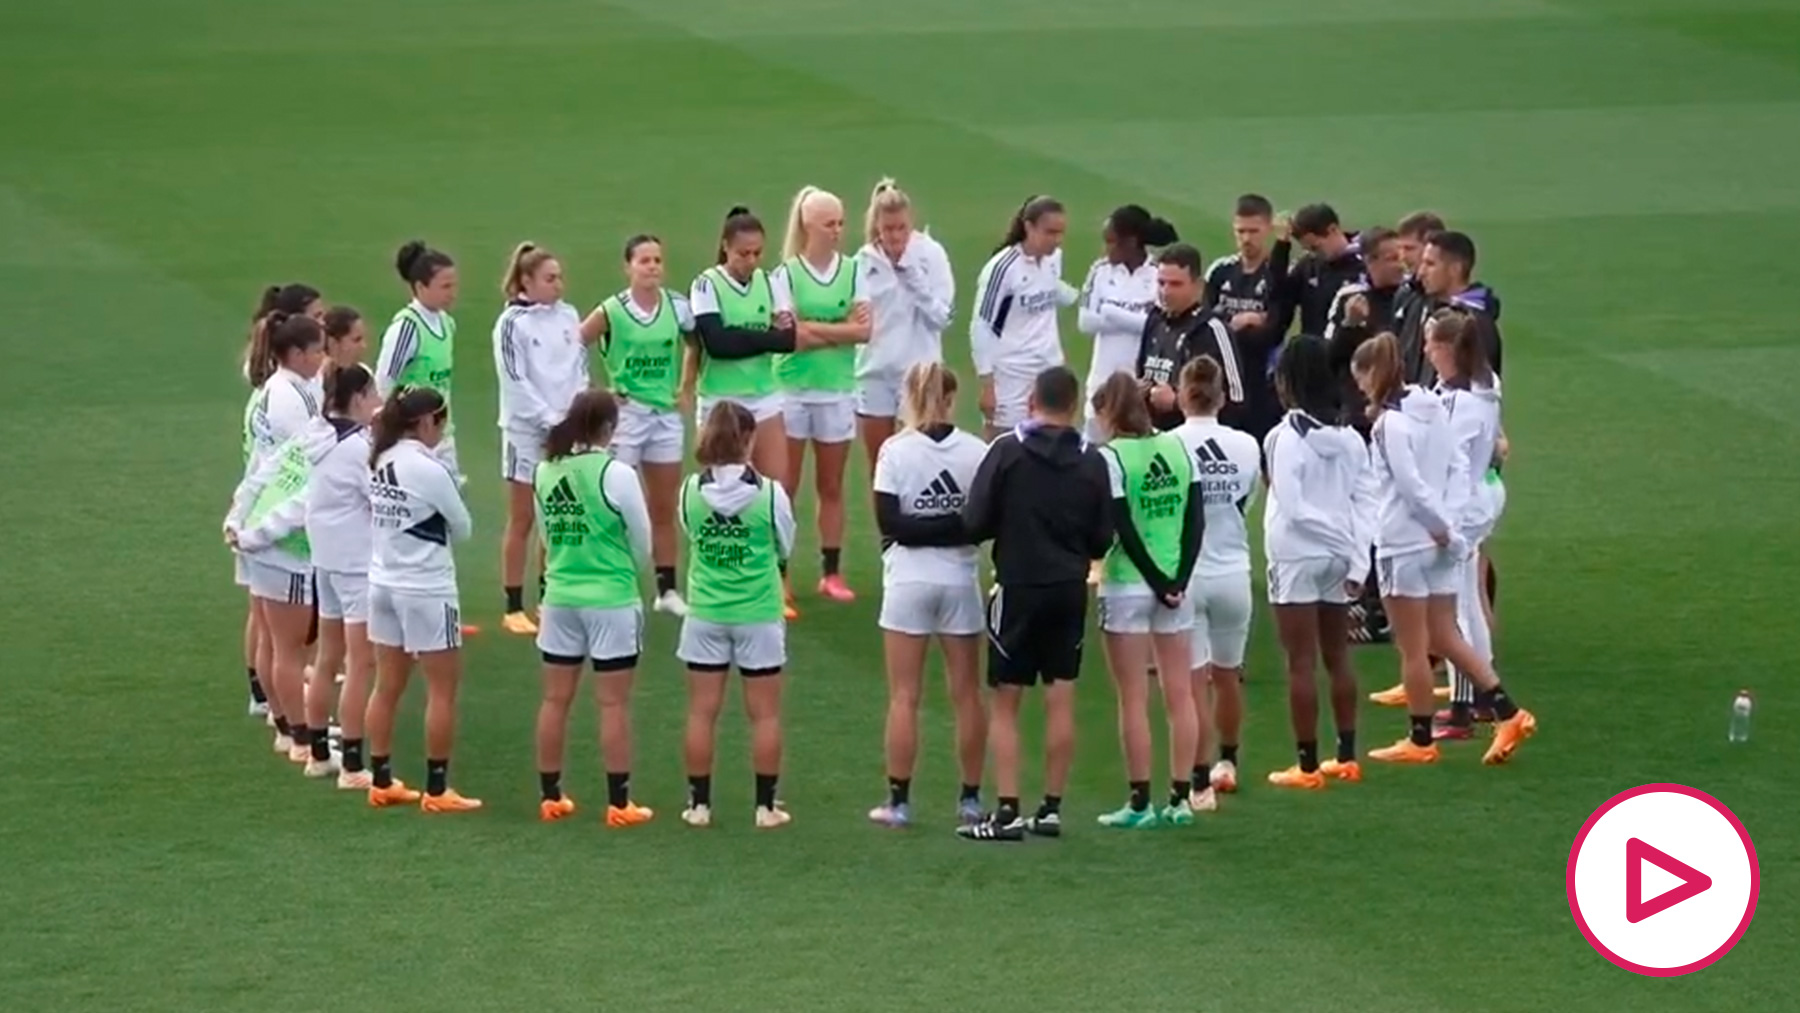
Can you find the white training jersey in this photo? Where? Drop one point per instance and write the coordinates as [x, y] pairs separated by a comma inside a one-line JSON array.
[[930, 478], [418, 512], [1016, 298], [1415, 453], [910, 301], [541, 362], [1321, 494], [279, 411], [1115, 300], [1475, 425], [337, 503], [1228, 463]]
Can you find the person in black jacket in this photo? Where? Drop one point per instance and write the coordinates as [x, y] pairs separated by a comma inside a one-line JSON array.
[[1179, 328], [1364, 308], [1332, 260], [1445, 279], [1043, 497], [1242, 290]]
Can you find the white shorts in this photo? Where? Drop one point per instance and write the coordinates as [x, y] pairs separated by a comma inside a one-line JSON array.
[[1308, 582], [761, 408], [648, 436], [1423, 573], [1221, 619], [611, 638], [954, 610], [878, 397], [343, 596], [1142, 613], [272, 583], [519, 456], [1012, 397], [821, 418], [755, 648], [238, 574], [415, 623]]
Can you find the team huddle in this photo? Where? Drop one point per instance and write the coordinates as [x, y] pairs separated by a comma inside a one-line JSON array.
[[1374, 432]]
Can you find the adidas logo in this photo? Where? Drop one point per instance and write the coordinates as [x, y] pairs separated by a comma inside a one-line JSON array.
[[1211, 459], [721, 526], [943, 495], [385, 484], [1161, 475], [562, 502]]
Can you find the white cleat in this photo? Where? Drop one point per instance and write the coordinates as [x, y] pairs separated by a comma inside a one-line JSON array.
[[300, 754], [697, 816], [283, 744], [258, 708], [1205, 800], [672, 603], [355, 780], [1224, 777], [768, 818], [338, 679], [268, 716], [319, 769]]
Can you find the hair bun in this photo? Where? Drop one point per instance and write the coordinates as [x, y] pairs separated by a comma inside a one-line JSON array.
[[736, 210], [408, 256]]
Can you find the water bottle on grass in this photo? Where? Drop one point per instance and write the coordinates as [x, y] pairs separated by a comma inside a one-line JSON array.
[[1740, 716]]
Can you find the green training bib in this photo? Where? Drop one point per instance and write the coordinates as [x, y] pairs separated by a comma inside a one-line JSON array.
[[734, 567], [434, 362], [823, 302], [643, 359], [1158, 476], [751, 308], [587, 553], [288, 483]]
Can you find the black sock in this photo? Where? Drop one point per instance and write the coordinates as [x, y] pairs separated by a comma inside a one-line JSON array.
[[1346, 752], [1008, 808], [353, 761], [1178, 791], [283, 728], [437, 776], [1228, 754], [1462, 715], [1140, 796], [1051, 805], [550, 784], [383, 768], [1309, 756], [765, 790], [665, 579], [618, 788], [1504, 707], [321, 745], [1421, 730], [829, 559], [1203, 776], [700, 790], [899, 790], [515, 599], [302, 735], [970, 793], [256, 690]]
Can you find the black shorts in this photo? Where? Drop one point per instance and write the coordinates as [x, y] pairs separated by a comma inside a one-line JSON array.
[[1035, 632]]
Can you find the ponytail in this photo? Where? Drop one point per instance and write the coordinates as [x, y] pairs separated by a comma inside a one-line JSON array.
[[344, 386], [794, 239], [1202, 386], [259, 365], [526, 260], [726, 435], [1028, 214], [927, 396], [290, 300], [418, 264], [1456, 327], [405, 408], [1379, 359], [590, 422], [1120, 404], [886, 198], [738, 221]]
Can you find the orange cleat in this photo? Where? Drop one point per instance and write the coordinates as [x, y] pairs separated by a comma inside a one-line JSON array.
[[1342, 770], [628, 815], [1294, 777], [552, 809], [519, 624], [1405, 751], [449, 802], [1393, 696], [1508, 735], [396, 793], [471, 630]]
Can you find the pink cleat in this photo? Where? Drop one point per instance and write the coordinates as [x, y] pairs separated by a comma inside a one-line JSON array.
[[833, 587]]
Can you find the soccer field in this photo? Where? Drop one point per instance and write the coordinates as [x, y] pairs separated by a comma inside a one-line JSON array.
[[1627, 167]]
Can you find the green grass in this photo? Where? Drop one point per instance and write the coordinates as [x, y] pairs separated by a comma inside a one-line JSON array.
[[1626, 167]]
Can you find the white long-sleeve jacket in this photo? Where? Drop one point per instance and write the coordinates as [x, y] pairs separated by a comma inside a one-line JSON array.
[[1475, 424], [1115, 300], [337, 502], [1321, 494], [418, 513], [1014, 331], [541, 362], [279, 411], [910, 303], [258, 540], [1415, 457]]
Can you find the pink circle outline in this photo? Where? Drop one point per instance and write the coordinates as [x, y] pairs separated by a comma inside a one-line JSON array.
[[1749, 851]]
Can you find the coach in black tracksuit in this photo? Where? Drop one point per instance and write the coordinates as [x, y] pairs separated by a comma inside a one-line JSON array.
[[1332, 260], [1444, 281], [1366, 307], [1180, 328]]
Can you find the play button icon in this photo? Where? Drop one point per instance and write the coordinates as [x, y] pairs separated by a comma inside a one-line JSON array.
[[1702, 861]]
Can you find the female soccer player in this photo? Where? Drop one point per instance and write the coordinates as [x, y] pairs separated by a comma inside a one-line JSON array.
[[292, 300], [541, 358], [740, 332], [912, 292], [1014, 336], [419, 347], [820, 384], [346, 337], [1471, 396], [1119, 292], [596, 532], [740, 529], [413, 610], [1418, 551], [1227, 462], [1159, 513], [928, 585], [645, 335], [1316, 536]]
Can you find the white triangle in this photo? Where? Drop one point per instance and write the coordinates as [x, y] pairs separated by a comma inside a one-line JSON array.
[[1656, 882]]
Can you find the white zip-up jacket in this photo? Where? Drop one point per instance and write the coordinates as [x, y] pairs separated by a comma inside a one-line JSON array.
[[1475, 424], [1016, 298], [258, 540], [280, 410], [418, 514], [1321, 494], [541, 362], [1115, 300], [337, 502], [1228, 464], [1415, 456], [910, 303]]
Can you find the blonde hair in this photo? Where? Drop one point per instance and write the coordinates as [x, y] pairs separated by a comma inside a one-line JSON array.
[[526, 258], [886, 197], [927, 396], [809, 197]]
